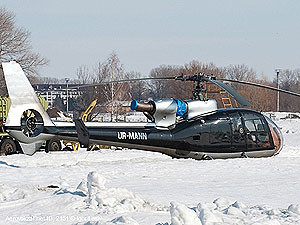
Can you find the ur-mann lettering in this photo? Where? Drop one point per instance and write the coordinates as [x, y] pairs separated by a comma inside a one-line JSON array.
[[123, 135]]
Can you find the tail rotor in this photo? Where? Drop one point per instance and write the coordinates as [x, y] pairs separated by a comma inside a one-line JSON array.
[[32, 123]]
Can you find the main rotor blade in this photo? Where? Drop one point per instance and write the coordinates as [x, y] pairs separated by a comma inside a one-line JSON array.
[[232, 92], [261, 86], [139, 79], [125, 80], [72, 86]]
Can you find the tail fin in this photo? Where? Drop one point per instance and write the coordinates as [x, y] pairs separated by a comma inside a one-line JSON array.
[[26, 117], [21, 94]]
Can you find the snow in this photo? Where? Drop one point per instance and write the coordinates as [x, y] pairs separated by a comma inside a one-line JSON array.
[[113, 200], [10, 194], [182, 215], [137, 187]]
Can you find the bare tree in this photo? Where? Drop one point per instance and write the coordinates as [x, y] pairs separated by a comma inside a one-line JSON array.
[[15, 45], [48, 80], [289, 80], [163, 88], [195, 67], [83, 75], [261, 99], [240, 72], [178, 89], [108, 94], [138, 89], [112, 70]]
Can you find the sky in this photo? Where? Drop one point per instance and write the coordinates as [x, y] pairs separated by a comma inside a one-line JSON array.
[[263, 34]]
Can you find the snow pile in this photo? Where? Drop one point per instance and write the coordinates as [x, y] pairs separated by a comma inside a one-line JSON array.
[[124, 220], [10, 194], [222, 211], [121, 220], [182, 215], [113, 200], [294, 208]]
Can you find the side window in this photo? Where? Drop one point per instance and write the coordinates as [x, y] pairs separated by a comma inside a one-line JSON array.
[[257, 135]]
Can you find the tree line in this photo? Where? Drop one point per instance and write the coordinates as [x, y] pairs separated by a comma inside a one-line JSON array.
[[114, 94]]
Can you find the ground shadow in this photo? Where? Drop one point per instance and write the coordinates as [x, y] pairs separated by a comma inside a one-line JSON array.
[[10, 165], [64, 191]]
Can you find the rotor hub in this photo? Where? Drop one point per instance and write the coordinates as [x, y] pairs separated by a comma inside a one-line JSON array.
[[31, 123]]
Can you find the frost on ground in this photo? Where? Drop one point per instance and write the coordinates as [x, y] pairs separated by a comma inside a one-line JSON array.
[[136, 187]]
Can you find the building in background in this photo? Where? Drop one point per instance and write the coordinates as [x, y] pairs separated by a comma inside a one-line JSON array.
[[54, 92]]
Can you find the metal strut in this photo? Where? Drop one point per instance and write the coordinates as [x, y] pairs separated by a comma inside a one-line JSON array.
[[82, 131]]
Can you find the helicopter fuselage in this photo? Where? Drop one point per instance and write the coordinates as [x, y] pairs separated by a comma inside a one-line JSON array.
[[186, 129], [225, 133]]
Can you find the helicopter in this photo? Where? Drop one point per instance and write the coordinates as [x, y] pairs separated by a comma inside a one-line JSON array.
[[193, 128]]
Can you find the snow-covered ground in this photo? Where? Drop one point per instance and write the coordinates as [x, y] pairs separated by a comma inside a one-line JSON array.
[[136, 187]]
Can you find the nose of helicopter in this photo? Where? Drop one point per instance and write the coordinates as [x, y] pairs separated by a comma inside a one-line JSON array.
[[276, 136]]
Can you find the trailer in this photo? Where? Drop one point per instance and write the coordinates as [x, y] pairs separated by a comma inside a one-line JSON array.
[[7, 144]]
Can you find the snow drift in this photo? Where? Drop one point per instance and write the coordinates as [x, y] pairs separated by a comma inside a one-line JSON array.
[[113, 200], [221, 211]]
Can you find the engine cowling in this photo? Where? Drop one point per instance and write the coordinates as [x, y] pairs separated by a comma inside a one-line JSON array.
[[164, 111]]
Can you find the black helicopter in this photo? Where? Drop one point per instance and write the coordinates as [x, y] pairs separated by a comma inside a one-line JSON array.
[[194, 128]]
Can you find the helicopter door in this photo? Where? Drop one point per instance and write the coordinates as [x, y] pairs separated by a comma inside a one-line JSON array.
[[220, 133], [238, 140]]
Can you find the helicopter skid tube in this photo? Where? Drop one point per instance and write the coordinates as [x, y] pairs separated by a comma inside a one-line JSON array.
[[252, 154]]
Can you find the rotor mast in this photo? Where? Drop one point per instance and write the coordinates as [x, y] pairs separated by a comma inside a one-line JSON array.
[[199, 92]]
